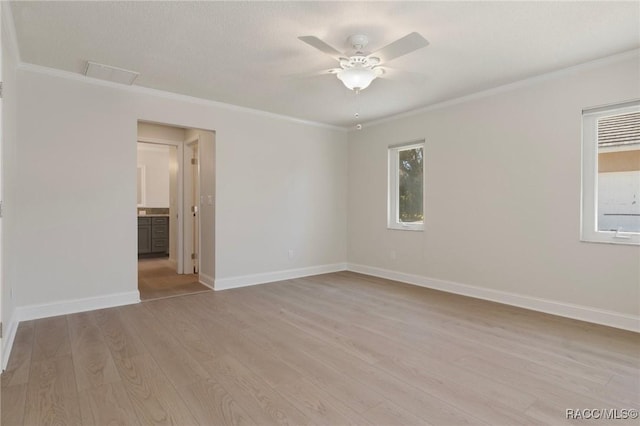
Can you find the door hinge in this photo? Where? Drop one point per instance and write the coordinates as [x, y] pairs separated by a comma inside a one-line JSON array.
[[1, 208], [194, 161], [0, 90], [0, 330], [194, 256]]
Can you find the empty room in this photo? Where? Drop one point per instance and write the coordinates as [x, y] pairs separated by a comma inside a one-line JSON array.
[[328, 213]]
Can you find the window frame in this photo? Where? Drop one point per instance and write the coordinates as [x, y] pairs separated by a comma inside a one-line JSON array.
[[393, 220], [589, 185]]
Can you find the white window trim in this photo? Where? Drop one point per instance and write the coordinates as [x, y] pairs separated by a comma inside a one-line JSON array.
[[588, 217], [393, 221]]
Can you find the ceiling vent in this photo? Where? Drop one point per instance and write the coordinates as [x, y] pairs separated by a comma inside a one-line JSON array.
[[109, 73]]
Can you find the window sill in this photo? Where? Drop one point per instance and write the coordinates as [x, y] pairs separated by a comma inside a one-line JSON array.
[[406, 227], [610, 238]]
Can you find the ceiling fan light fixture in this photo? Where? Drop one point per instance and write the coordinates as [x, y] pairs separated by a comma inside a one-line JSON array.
[[357, 78]]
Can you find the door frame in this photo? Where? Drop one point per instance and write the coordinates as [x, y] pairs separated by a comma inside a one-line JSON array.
[[180, 190], [189, 232]]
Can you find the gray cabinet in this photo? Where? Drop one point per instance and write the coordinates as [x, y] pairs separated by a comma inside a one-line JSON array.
[[153, 236], [144, 235]]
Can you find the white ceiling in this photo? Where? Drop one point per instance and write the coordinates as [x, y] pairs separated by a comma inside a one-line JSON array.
[[248, 54]]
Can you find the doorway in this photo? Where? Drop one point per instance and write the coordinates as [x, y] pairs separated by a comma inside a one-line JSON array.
[[170, 209]]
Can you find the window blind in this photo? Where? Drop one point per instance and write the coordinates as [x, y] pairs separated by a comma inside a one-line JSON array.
[[621, 129]]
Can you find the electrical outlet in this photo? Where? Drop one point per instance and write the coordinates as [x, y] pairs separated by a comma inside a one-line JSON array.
[[392, 254], [290, 253]]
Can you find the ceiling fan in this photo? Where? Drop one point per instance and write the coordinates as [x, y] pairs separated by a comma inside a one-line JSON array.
[[359, 69]]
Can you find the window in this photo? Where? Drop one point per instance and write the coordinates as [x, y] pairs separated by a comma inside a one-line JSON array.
[[406, 183], [611, 174]]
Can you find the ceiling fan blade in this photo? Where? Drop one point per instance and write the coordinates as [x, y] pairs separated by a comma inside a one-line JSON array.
[[321, 46], [402, 46]]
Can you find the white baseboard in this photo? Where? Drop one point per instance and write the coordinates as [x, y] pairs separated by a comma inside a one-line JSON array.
[[583, 313], [268, 277], [206, 280], [31, 312]]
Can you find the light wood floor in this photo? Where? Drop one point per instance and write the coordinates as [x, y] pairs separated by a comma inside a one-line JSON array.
[[157, 278], [333, 349]]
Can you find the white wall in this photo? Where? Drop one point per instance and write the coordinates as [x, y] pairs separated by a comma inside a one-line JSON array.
[[279, 184], [156, 161], [502, 194]]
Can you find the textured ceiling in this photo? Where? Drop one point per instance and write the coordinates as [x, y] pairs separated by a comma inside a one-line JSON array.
[[248, 54]]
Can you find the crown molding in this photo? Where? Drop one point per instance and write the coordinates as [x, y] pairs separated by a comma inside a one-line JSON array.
[[635, 53], [54, 72]]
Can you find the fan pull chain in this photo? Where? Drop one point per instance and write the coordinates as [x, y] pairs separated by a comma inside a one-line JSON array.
[[357, 114]]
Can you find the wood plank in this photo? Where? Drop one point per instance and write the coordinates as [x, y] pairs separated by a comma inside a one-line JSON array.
[[52, 397], [623, 388], [51, 339], [387, 413], [254, 394], [92, 360], [211, 403], [290, 344], [122, 341], [174, 360], [12, 405], [278, 338], [108, 404], [543, 386], [152, 396], [178, 320], [318, 405]]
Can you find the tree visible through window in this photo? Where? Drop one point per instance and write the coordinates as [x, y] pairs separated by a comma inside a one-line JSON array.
[[406, 183], [410, 185]]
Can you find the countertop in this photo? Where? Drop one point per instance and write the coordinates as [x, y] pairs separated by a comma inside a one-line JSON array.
[[153, 215]]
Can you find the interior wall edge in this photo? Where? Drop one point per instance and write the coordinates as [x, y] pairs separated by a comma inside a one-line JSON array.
[[8, 338], [9, 27], [206, 280]]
